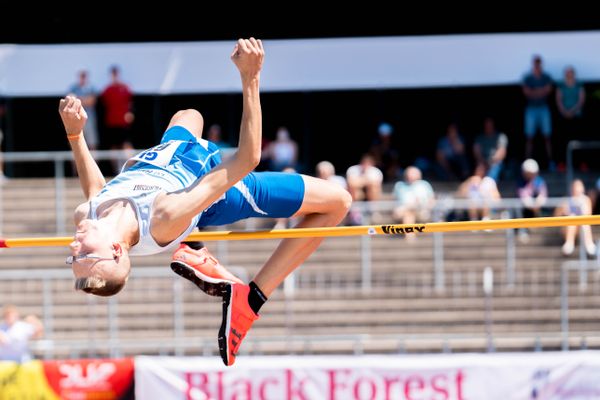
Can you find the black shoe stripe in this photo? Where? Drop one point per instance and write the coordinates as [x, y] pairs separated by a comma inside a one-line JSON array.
[[187, 272], [226, 293], [236, 334]]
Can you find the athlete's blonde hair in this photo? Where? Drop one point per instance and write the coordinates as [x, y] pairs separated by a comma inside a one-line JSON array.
[[99, 286]]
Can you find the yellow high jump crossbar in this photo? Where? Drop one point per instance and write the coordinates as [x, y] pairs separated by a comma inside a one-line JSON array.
[[394, 229]]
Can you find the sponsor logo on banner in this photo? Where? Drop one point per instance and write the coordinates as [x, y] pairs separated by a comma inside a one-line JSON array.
[[337, 384], [24, 381], [90, 379], [516, 376]]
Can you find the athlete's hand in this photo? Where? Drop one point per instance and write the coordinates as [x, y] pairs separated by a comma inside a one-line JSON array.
[[73, 116], [248, 55]]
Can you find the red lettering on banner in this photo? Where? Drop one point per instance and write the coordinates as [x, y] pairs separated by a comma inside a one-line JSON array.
[[242, 390], [262, 391], [196, 381], [413, 383], [459, 385], [389, 381], [333, 384], [339, 384], [298, 391], [371, 387], [439, 384], [220, 388]]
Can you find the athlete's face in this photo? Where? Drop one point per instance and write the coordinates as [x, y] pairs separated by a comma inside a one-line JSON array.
[[90, 247]]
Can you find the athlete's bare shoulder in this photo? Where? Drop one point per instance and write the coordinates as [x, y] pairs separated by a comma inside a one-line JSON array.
[[81, 212]]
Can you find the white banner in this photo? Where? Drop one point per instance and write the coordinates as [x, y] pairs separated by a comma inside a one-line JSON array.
[[301, 65], [521, 376]]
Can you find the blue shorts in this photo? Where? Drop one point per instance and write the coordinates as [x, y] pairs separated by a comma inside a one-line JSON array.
[[538, 118], [258, 194], [178, 132]]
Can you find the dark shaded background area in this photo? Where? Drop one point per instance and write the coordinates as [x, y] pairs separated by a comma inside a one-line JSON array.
[[205, 21], [338, 126]]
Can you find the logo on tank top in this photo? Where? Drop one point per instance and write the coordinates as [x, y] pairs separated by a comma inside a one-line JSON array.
[[146, 187]]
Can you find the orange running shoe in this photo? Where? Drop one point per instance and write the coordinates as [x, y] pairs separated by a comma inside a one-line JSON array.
[[238, 317], [200, 267]]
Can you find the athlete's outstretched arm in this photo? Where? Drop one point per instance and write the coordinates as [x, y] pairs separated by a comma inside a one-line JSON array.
[[74, 118], [177, 208]]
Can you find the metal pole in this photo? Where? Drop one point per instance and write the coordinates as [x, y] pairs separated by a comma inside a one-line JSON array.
[[113, 326], [510, 258], [488, 288], [582, 260], [48, 313], [365, 258], [571, 147], [438, 261], [178, 315], [92, 326], [59, 183], [564, 307], [223, 252], [289, 285], [569, 175]]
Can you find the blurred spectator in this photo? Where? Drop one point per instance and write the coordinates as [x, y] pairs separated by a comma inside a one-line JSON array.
[[414, 198], [451, 156], [2, 112], [532, 189], [214, 135], [570, 98], [283, 151], [489, 149], [594, 194], [533, 192], [481, 191], [364, 183], [118, 117], [386, 157], [537, 86], [326, 170], [578, 204], [16, 333], [87, 94], [365, 179]]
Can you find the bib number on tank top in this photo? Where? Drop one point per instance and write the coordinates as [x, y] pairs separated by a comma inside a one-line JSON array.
[[160, 155]]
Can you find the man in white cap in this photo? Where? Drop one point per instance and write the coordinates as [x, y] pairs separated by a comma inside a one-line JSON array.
[[532, 191]]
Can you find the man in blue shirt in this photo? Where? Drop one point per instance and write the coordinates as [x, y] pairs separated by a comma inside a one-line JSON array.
[[537, 86]]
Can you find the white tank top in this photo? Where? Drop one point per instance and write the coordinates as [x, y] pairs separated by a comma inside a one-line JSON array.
[[140, 186]]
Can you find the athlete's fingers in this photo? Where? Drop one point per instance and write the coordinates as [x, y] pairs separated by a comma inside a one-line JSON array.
[[254, 44], [73, 108], [77, 108], [235, 51], [260, 45], [82, 113], [69, 105], [243, 46]]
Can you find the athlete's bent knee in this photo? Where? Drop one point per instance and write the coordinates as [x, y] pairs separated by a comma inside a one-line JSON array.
[[188, 113], [341, 201], [190, 119], [346, 199]]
